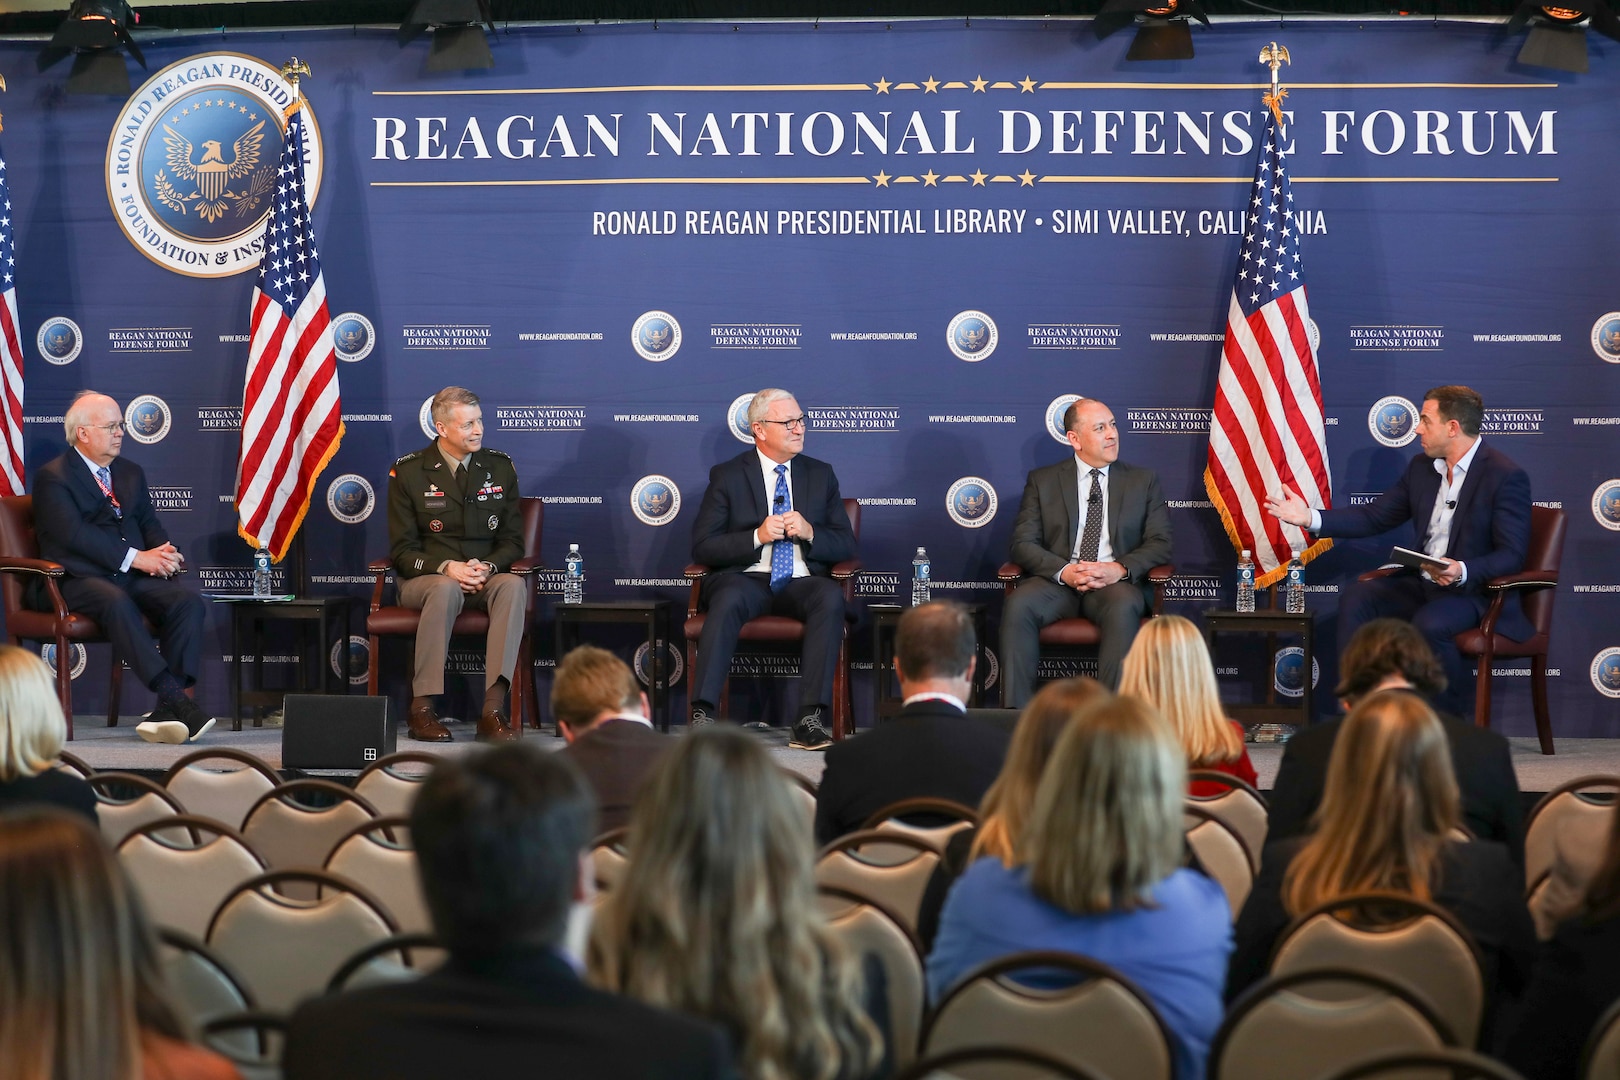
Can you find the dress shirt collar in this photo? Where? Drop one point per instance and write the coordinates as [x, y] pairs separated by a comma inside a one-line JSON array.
[[634, 718], [1463, 463], [932, 695], [1085, 470], [95, 469], [450, 459]]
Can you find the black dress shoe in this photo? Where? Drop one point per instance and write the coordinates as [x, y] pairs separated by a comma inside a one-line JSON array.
[[809, 734], [702, 716]]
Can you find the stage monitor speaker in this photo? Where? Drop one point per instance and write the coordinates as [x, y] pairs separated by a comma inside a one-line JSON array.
[[335, 731]]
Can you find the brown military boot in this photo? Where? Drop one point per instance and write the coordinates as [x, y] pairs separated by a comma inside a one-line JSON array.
[[423, 722]]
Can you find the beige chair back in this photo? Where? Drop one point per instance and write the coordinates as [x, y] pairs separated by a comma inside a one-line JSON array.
[[184, 866], [391, 783], [400, 958], [804, 793], [1240, 808], [1602, 1058], [1310, 1025], [73, 765], [609, 859], [220, 783], [867, 930], [1102, 1023], [1222, 853], [888, 867], [892, 818], [290, 835], [1584, 805], [124, 802], [994, 1063], [252, 1042], [1426, 951], [202, 985], [378, 855], [288, 949]]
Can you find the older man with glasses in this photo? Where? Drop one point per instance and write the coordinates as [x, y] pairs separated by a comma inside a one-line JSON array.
[[771, 525], [93, 515]]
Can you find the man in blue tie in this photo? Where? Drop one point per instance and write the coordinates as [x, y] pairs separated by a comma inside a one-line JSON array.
[[92, 514], [771, 526]]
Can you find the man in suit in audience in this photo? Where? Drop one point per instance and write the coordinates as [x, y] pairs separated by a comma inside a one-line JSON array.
[[771, 526], [602, 713], [1089, 529], [93, 514], [502, 839], [1390, 654], [931, 748]]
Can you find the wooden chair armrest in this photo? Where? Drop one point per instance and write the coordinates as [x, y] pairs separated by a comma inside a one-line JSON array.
[[1523, 579], [525, 566], [695, 571], [1161, 574], [847, 569], [20, 564], [1010, 571], [380, 567], [1381, 572]]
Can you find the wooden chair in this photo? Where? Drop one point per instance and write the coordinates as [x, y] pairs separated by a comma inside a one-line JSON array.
[[291, 833], [73, 765], [378, 855], [1584, 806], [201, 781], [1082, 633], [867, 928], [394, 621], [775, 629], [894, 818], [184, 866], [395, 959], [125, 801], [390, 785], [891, 869], [1240, 807]]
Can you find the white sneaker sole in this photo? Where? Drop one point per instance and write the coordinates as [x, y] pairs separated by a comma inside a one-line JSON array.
[[163, 731], [205, 729]]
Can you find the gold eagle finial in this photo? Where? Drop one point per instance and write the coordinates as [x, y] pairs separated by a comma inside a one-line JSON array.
[[1275, 56]]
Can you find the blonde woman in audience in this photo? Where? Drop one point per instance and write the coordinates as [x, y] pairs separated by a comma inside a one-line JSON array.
[[1169, 667], [81, 997], [1098, 872], [1005, 806], [716, 917], [1386, 824], [32, 729]]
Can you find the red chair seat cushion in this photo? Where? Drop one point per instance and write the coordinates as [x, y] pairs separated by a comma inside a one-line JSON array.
[[764, 628], [1472, 643], [1070, 632], [40, 625], [402, 621]]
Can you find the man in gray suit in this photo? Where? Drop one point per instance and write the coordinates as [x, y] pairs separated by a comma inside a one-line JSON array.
[[1088, 531]]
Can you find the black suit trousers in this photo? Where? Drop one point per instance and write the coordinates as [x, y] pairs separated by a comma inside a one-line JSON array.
[[118, 603], [1439, 613], [733, 599], [1117, 610]]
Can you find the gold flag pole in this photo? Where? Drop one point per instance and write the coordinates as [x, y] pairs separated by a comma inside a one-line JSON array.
[[1275, 56], [295, 69]]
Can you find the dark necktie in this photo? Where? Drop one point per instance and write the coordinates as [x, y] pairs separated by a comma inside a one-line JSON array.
[[781, 550], [1094, 516], [104, 478]]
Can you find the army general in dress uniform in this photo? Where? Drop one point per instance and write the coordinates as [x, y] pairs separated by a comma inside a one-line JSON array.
[[455, 526]]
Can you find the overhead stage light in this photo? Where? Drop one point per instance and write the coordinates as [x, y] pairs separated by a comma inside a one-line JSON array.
[[1557, 37], [93, 34], [458, 39], [1162, 32]]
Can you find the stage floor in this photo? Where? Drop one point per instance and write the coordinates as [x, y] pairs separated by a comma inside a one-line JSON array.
[[119, 748]]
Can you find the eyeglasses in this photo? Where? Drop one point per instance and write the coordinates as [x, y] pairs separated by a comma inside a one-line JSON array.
[[119, 426], [790, 423]]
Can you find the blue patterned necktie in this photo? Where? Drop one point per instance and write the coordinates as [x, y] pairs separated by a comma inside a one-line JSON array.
[[104, 478], [781, 550]]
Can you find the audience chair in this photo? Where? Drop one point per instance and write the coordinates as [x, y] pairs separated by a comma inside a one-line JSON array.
[[125, 800], [378, 855], [1587, 802], [1310, 1022], [804, 792], [289, 833], [777, 629], [391, 783], [1601, 1058], [609, 858], [201, 983], [889, 868], [73, 765], [401, 622], [1221, 853], [395, 959], [184, 866], [1240, 807], [1099, 1021], [220, 783], [1440, 1064], [867, 929], [903, 817], [995, 1063], [1082, 633], [1419, 945], [288, 949], [252, 1041]]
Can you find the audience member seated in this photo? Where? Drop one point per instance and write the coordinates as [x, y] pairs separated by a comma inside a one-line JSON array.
[[931, 747], [1389, 654], [1099, 873], [31, 732], [716, 916], [602, 712], [81, 995], [502, 842], [1169, 667], [1389, 806], [1006, 805], [1577, 978]]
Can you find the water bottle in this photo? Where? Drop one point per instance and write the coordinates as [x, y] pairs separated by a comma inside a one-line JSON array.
[[574, 579], [1245, 582], [261, 574], [921, 577], [1295, 593]]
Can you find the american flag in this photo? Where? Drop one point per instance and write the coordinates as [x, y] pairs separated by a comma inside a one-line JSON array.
[[11, 356], [1267, 430], [291, 416]]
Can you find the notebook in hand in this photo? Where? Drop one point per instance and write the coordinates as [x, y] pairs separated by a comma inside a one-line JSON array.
[[1417, 560]]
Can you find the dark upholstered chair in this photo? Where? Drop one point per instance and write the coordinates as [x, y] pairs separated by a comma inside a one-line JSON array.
[[1081, 633], [775, 629], [396, 621]]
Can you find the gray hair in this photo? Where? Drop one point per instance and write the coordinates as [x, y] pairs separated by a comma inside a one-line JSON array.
[[78, 414], [449, 398], [762, 403]]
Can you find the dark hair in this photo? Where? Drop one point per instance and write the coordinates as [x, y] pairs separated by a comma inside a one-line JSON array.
[[1460, 403], [935, 640], [498, 836], [1386, 647]]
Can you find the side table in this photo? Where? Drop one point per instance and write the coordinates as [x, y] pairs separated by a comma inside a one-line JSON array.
[[1271, 622], [248, 619], [885, 622], [654, 615]]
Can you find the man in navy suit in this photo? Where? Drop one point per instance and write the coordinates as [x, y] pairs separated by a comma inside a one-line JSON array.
[[1469, 506], [771, 525], [92, 514]]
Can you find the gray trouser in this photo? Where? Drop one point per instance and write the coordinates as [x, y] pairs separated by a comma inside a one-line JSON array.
[[440, 601], [1117, 610]]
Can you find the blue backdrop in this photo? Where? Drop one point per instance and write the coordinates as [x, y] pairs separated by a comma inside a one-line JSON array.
[[930, 232]]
